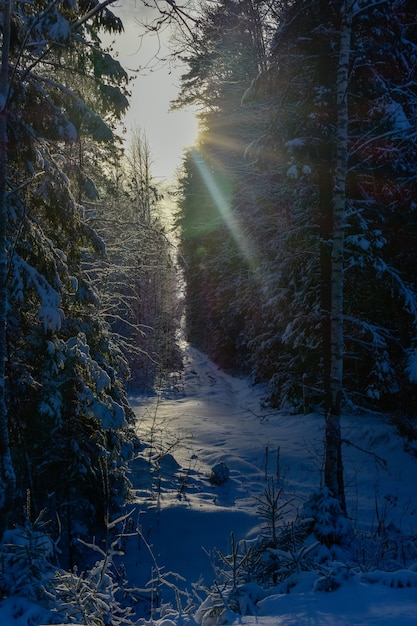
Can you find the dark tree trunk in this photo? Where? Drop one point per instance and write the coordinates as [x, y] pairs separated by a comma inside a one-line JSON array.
[[7, 476], [333, 461]]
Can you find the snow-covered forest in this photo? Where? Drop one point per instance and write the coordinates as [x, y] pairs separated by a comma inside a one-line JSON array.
[[244, 383]]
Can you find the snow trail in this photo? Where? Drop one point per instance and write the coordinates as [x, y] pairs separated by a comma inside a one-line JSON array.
[[208, 417]]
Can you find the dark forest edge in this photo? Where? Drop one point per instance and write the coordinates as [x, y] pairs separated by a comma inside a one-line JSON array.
[[260, 230]]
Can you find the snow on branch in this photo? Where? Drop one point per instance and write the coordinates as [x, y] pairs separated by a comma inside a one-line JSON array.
[[96, 386], [405, 291], [25, 276]]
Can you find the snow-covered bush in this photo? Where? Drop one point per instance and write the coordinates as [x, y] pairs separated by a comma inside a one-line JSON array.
[[279, 558], [219, 474], [283, 566], [92, 598], [332, 576], [399, 579], [389, 550], [29, 571], [274, 558], [220, 608], [233, 591], [26, 560], [331, 526]]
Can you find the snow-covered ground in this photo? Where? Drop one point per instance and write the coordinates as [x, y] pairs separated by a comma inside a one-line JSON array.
[[210, 418], [179, 521]]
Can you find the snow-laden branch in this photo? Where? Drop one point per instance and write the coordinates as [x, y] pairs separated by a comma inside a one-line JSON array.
[[25, 276], [92, 13]]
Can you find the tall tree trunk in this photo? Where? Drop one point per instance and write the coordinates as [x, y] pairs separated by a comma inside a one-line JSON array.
[[333, 461], [326, 80], [7, 476]]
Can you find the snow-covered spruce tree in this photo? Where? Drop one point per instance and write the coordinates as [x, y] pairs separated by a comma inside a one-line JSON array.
[[66, 403]]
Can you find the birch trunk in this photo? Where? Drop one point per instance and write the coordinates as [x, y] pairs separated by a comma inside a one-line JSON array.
[[7, 476], [333, 454]]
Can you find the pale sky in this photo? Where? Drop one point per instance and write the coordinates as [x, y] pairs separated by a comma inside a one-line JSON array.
[[168, 133]]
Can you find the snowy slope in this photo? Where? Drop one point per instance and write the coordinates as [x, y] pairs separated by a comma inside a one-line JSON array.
[[179, 518], [209, 417]]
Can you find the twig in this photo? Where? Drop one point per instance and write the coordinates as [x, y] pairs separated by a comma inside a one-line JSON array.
[[377, 458]]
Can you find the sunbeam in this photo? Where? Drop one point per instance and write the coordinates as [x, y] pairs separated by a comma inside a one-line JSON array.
[[244, 245]]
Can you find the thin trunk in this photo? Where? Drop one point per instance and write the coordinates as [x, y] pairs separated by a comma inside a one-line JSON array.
[[7, 476], [333, 464], [326, 80]]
